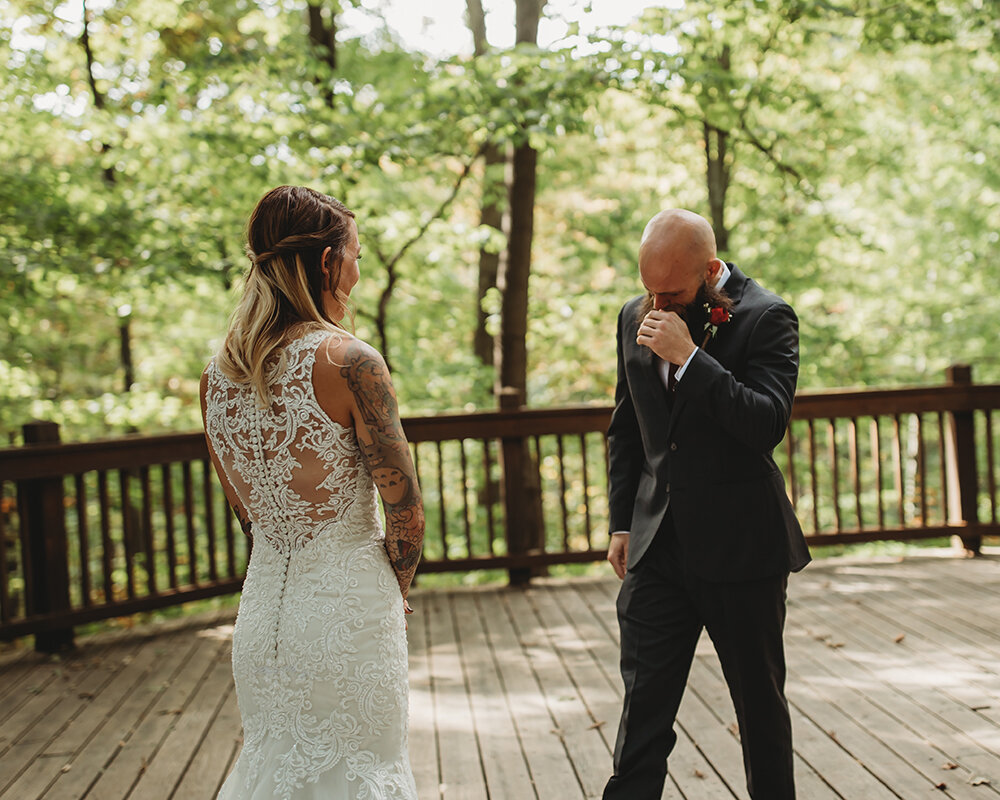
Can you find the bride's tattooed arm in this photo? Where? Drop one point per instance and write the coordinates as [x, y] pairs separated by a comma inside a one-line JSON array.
[[385, 450]]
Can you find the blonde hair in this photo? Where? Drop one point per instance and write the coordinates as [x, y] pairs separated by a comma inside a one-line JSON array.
[[287, 233]]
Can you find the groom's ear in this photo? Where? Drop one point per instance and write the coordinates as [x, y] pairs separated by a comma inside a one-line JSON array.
[[714, 266]]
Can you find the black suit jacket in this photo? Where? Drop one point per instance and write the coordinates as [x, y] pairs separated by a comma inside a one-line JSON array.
[[707, 452]]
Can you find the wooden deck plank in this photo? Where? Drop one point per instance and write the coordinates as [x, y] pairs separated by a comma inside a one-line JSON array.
[[85, 680], [504, 765], [185, 736], [139, 749], [907, 689], [841, 687], [541, 626], [461, 765], [552, 772], [423, 732], [215, 757], [516, 694], [122, 711]]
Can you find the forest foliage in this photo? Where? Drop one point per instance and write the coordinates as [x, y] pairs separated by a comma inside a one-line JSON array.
[[846, 153]]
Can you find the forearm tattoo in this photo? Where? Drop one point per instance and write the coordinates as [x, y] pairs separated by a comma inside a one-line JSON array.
[[385, 450]]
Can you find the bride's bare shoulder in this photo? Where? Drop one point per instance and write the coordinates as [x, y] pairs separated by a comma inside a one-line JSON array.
[[342, 352]]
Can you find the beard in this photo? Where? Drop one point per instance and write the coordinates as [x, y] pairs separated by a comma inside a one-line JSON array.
[[693, 313]]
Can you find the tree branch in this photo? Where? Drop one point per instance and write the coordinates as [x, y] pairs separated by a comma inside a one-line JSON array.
[[390, 262]]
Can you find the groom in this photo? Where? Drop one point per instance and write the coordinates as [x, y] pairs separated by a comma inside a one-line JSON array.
[[703, 534]]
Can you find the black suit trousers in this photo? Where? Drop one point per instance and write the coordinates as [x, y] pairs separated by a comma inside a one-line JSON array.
[[662, 609]]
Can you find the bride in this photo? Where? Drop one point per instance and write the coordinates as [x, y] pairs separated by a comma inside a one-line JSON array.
[[302, 425]]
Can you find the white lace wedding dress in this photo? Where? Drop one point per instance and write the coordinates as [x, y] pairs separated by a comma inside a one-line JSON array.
[[319, 649]]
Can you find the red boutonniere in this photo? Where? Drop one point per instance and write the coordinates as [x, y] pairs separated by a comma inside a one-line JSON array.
[[717, 315]]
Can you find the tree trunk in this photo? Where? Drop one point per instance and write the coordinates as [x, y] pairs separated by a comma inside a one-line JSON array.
[[718, 182], [522, 481], [719, 164], [128, 365], [514, 314], [490, 213], [514, 320], [323, 39], [109, 173], [476, 19]]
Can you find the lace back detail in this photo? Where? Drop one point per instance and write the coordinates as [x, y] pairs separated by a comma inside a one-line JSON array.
[[294, 469]]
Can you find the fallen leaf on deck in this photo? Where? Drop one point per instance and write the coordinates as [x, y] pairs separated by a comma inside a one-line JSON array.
[[596, 725], [979, 781], [949, 765], [699, 774], [899, 638]]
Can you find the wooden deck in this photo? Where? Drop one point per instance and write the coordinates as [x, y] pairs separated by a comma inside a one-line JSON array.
[[894, 683]]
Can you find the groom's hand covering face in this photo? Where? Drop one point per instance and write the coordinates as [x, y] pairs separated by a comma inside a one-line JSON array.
[[666, 334]]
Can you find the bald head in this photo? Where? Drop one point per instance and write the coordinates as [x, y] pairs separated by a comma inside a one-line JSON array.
[[676, 255]]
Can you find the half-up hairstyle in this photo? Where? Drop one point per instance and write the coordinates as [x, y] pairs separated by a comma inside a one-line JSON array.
[[286, 235]]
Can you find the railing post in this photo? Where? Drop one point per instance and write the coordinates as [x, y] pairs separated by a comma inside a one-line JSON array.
[[521, 494], [963, 482], [42, 508]]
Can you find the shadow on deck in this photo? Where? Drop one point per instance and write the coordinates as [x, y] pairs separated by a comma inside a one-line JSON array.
[[894, 684]]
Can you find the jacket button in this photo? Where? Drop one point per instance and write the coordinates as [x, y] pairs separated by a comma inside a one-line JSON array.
[[673, 446]]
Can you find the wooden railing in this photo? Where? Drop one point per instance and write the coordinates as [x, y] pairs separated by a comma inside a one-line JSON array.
[[110, 528]]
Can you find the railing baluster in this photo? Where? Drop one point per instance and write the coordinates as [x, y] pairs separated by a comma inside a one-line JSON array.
[[793, 492], [812, 476], [441, 508], [488, 493], [586, 488], [6, 612], [147, 531], [168, 519], [834, 473], [852, 440], [991, 478], [194, 579], [876, 442], [541, 487], [898, 465], [207, 482], [128, 531], [27, 572], [83, 544], [229, 529], [107, 545], [922, 469], [562, 491], [465, 497], [943, 466]]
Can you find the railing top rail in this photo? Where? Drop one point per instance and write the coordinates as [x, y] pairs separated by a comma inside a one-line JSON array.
[[136, 450], [871, 402]]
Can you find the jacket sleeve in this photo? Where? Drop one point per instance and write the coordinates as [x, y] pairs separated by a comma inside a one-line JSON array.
[[625, 452], [756, 410]]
